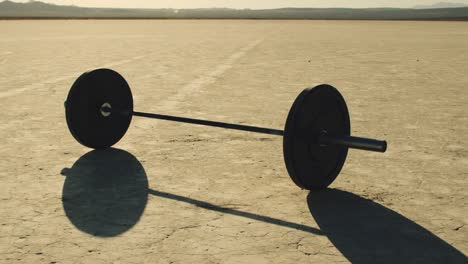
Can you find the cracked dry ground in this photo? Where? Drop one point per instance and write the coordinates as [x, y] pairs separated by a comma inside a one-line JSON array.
[[177, 193]]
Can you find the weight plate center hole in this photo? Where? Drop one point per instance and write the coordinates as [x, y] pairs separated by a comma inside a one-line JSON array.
[[106, 109]]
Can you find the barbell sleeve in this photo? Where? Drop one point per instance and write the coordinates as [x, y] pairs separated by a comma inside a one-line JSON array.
[[368, 144]]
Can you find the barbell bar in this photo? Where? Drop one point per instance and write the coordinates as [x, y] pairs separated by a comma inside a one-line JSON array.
[[324, 139], [316, 138]]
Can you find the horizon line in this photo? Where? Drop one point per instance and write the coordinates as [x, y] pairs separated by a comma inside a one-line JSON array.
[[232, 8]]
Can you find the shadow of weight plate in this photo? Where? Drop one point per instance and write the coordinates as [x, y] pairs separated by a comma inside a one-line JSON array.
[[89, 108], [315, 111]]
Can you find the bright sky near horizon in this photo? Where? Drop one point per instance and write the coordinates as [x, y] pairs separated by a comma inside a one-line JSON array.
[[244, 3]]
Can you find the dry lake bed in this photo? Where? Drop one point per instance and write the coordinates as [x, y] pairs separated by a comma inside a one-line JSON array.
[[178, 193]]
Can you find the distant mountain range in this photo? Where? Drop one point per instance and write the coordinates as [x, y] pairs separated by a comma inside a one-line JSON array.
[[40, 10], [441, 5]]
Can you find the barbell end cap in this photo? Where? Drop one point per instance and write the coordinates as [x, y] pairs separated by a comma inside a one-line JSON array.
[[384, 146]]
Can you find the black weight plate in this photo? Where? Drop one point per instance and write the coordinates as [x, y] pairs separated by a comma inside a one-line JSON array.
[[83, 108], [310, 165]]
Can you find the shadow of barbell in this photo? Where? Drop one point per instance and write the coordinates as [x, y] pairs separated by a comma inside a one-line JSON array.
[[106, 191]]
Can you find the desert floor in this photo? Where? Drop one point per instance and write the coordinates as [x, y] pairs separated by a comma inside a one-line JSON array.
[[177, 193]]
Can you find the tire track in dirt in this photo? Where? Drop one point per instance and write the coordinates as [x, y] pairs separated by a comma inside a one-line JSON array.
[[210, 77], [5, 56]]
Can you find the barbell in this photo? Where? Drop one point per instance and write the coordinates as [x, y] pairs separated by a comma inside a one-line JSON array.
[[316, 136]]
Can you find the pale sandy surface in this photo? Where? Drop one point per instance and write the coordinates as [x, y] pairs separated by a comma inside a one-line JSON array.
[[177, 193]]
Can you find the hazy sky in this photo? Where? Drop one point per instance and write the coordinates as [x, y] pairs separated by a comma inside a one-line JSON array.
[[245, 3]]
